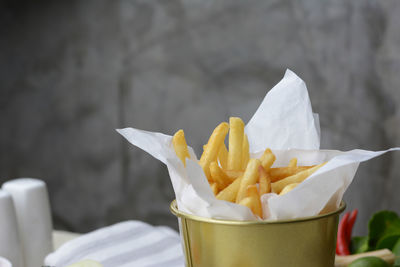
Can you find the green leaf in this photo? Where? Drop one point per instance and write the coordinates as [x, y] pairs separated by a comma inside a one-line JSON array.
[[382, 226], [387, 241], [369, 261], [359, 244], [396, 251]]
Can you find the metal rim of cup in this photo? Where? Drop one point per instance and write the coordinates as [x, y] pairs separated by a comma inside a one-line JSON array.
[[178, 213]]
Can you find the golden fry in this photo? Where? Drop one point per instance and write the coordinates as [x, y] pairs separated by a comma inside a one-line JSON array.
[[283, 172], [230, 192], [253, 194], [211, 151], [264, 181], [234, 174], [252, 201], [236, 132], [288, 188], [214, 188], [223, 156], [267, 159], [296, 178], [250, 177], [219, 175], [180, 146], [245, 152], [293, 163]]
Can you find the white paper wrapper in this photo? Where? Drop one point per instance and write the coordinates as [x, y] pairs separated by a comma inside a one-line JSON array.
[[285, 123]]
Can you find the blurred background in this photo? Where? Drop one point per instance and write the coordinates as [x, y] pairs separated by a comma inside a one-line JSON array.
[[71, 72]]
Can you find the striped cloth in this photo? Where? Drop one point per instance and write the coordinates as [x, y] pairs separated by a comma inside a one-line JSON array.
[[125, 244]]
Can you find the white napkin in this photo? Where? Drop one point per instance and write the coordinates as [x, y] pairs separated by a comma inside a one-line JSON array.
[[125, 244], [284, 122]]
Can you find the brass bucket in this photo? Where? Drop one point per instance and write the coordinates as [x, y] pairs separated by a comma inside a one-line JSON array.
[[305, 242]]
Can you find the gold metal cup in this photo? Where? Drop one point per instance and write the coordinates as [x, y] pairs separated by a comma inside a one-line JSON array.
[[305, 242]]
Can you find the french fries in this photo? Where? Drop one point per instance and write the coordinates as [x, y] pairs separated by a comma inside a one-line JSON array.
[[245, 152], [250, 177], [296, 178], [293, 163], [264, 181], [211, 150], [283, 172], [288, 188], [214, 188], [252, 200], [236, 133], [223, 156], [234, 174], [218, 175], [267, 159], [230, 192], [236, 177], [180, 146]]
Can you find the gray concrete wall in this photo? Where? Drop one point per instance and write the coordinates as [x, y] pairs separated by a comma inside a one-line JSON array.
[[73, 71]]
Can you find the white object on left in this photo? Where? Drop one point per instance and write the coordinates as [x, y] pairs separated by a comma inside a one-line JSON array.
[[10, 245], [33, 216], [4, 262]]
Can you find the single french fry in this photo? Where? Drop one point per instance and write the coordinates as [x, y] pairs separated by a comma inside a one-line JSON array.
[[252, 193], [214, 188], [211, 150], [296, 178], [180, 146], [290, 170], [223, 156], [267, 159], [280, 173], [288, 188], [293, 163], [219, 175], [230, 192], [233, 174], [209, 178], [264, 181], [252, 190], [250, 177], [252, 201], [236, 132], [245, 152]]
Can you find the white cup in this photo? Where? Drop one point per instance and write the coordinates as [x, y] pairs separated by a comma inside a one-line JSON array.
[[4, 262], [33, 216], [10, 244]]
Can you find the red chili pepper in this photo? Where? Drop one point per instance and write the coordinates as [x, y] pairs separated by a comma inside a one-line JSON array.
[[342, 246], [351, 221]]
